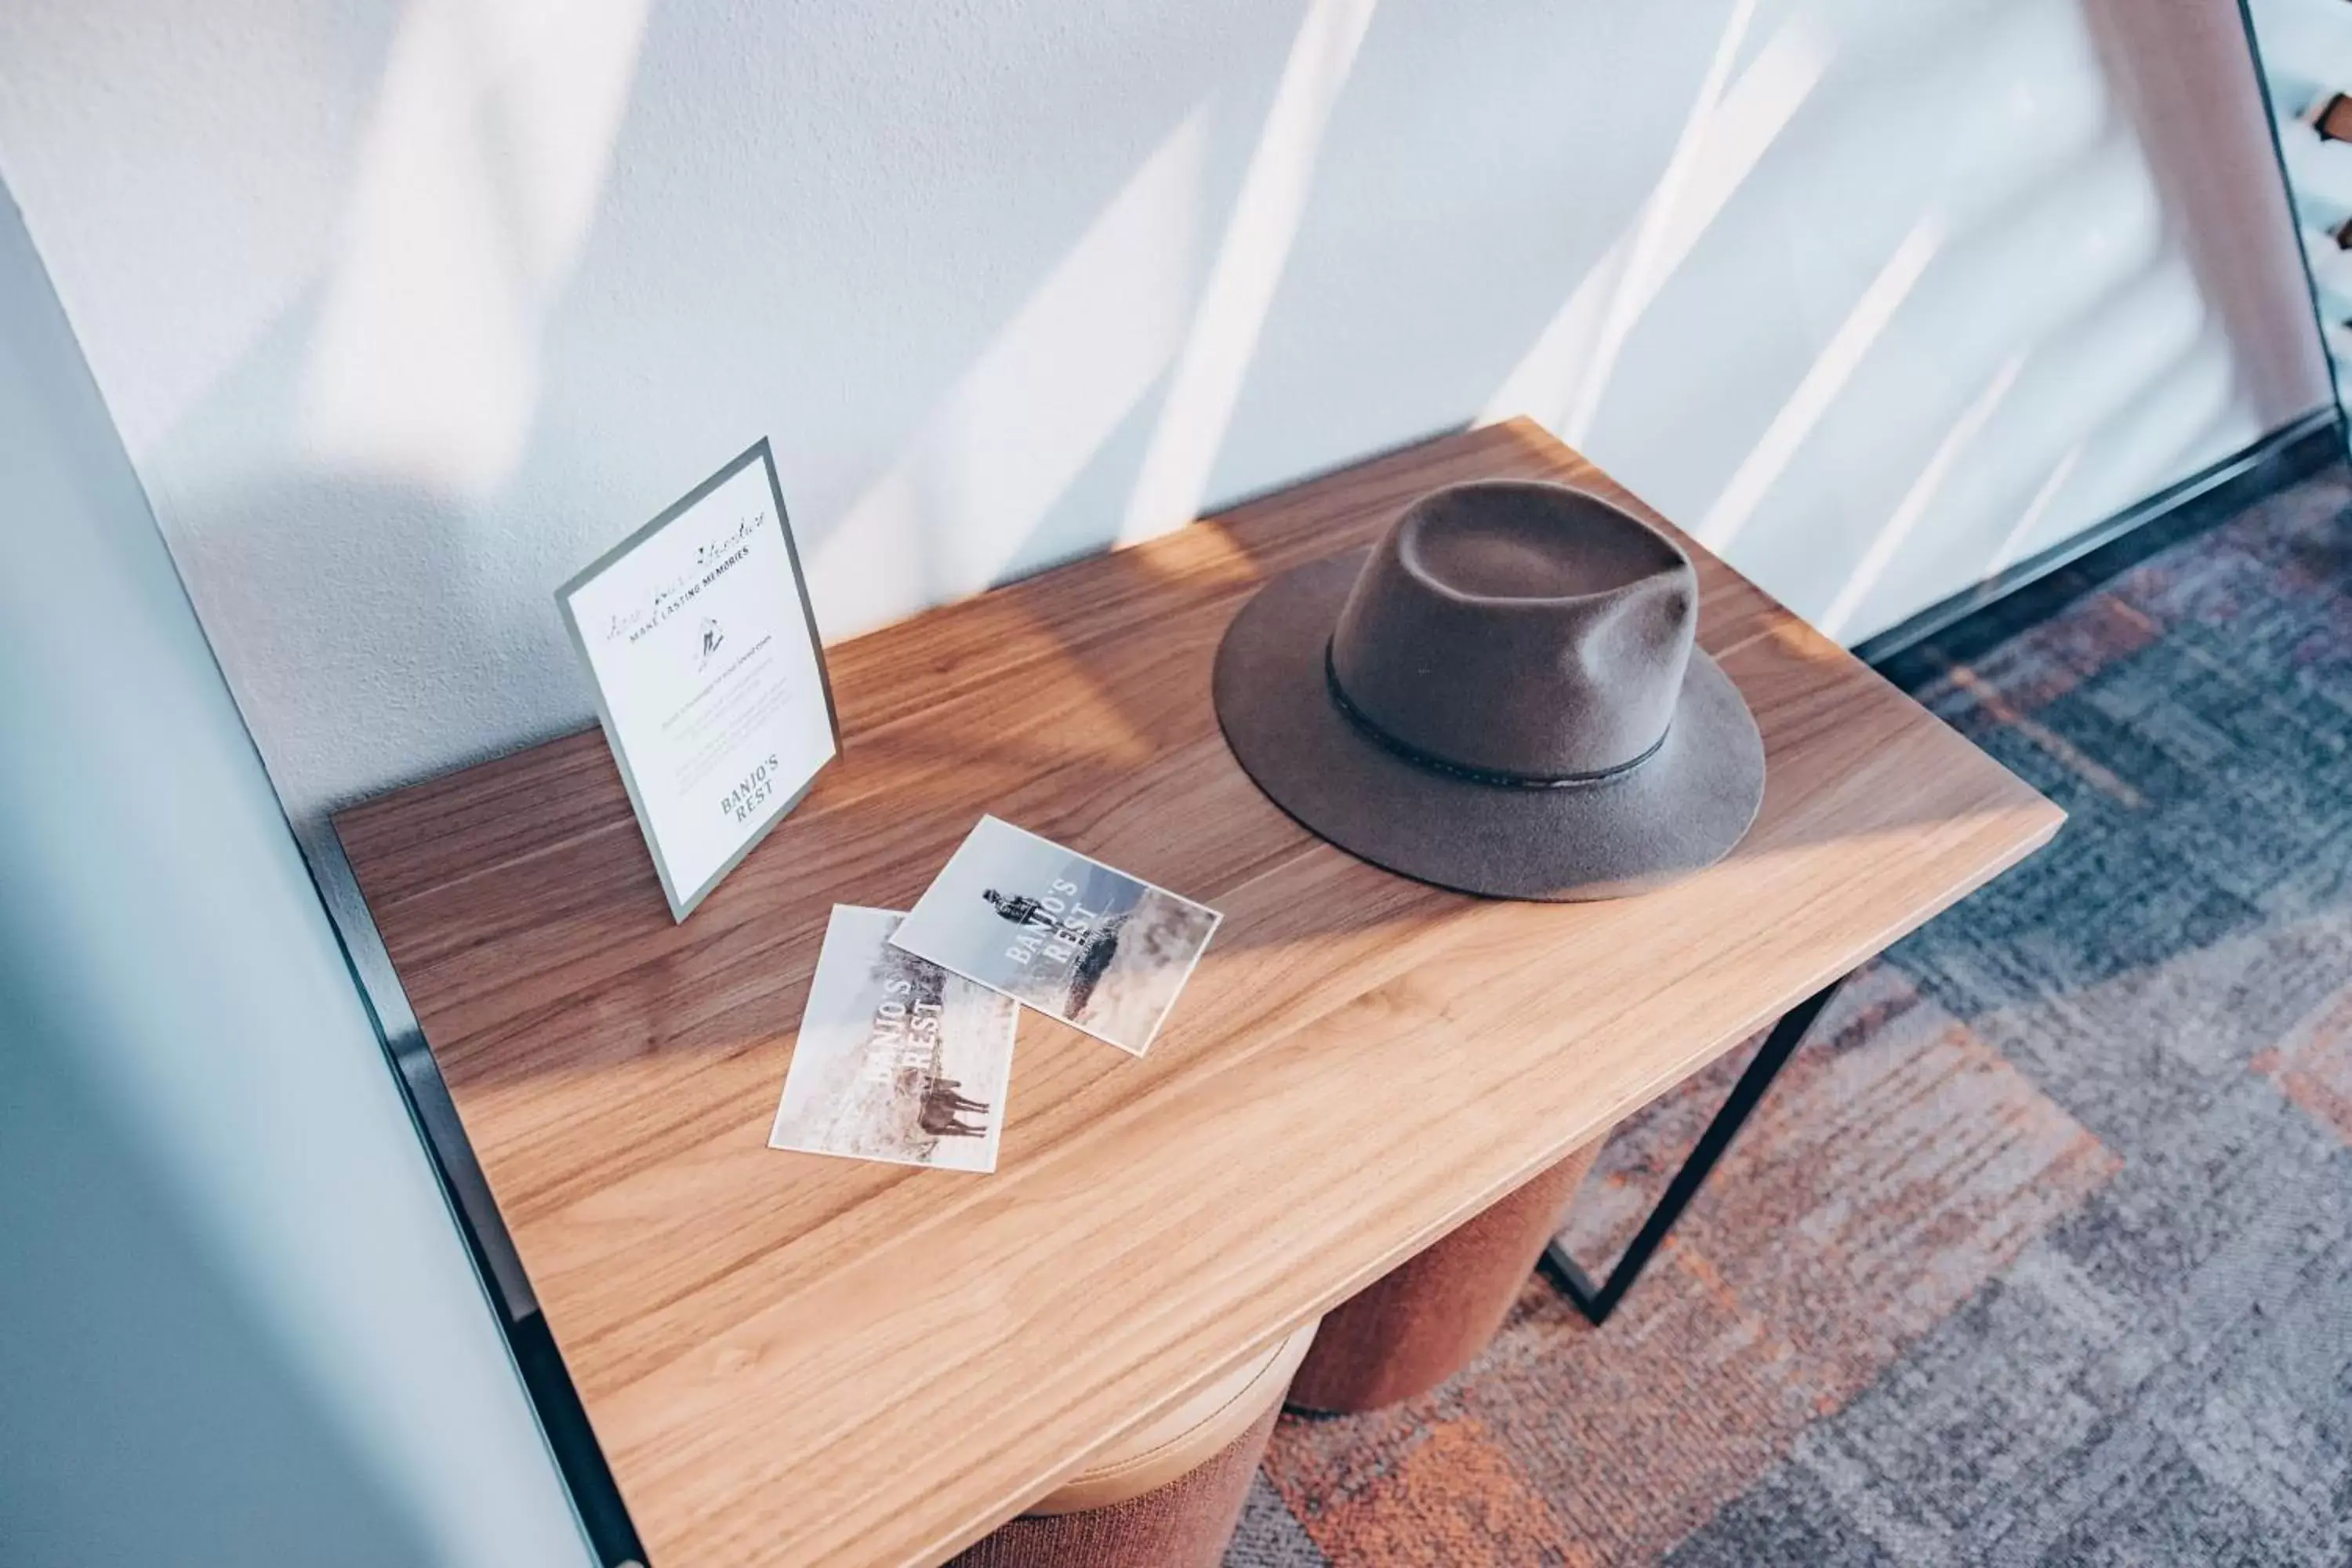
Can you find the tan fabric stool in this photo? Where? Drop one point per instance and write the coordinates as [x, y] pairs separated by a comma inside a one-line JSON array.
[[1429, 1317], [1165, 1495]]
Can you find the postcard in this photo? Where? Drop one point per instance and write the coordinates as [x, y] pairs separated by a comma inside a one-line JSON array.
[[896, 1060], [1059, 931], [709, 675]]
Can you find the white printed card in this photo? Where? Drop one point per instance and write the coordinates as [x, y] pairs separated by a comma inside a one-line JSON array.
[[1059, 932], [896, 1060]]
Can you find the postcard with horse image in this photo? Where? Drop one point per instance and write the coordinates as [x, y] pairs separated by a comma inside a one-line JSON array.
[[1059, 931], [896, 1059]]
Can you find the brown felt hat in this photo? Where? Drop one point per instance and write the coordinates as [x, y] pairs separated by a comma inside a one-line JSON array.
[[1501, 696]]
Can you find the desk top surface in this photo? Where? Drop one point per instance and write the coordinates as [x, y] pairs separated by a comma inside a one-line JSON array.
[[794, 1359]]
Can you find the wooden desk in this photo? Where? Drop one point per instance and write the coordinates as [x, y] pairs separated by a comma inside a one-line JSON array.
[[793, 1360]]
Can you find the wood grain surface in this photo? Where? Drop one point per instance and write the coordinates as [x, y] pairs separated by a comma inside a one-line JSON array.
[[790, 1359]]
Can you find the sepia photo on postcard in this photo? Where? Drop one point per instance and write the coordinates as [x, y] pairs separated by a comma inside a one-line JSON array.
[[1060, 932], [896, 1059]]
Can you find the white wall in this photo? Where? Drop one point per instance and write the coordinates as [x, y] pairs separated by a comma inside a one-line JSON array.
[[236, 1326], [405, 310]]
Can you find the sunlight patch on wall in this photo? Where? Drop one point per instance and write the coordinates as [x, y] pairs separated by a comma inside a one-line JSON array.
[[1921, 495], [1726, 134], [2086, 386], [996, 453], [1822, 381], [2036, 509], [1173, 482], [475, 190]]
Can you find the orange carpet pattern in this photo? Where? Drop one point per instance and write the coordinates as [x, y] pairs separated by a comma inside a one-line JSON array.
[[1554, 1448]]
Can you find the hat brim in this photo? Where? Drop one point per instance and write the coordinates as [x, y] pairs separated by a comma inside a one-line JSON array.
[[1679, 812]]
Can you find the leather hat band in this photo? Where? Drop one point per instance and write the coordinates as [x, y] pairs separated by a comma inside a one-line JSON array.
[[1421, 759]]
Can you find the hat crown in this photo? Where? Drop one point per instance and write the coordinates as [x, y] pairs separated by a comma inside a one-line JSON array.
[[1530, 630]]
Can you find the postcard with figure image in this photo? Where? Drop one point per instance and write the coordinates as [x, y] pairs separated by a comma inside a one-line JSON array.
[[896, 1059], [1060, 932]]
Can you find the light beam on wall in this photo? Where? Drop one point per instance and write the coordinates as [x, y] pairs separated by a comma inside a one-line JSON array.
[[1921, 495], [1563, 378], [476, 186], [2036, 509], [2088, 386], [1029, 413], [1822, 381], [1173, 482]]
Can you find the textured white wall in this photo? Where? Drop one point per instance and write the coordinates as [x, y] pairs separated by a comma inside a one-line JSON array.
[[407, 309]]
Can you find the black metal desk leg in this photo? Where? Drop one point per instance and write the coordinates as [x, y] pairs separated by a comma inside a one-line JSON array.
[[1597, 1303]]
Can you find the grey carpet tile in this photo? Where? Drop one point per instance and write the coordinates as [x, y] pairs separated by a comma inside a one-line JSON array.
[[1788, 1520], [1269, 1537]]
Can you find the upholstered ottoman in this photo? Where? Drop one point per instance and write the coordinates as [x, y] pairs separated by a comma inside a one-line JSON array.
[[1429, 1317], [1166, 1494]]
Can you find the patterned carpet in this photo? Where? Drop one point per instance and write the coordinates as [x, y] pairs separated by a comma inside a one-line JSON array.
[[2041, 1250]]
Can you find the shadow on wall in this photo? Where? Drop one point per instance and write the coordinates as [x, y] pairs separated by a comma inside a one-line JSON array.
[[393, 595], [582, 259], [145, 1412], [372, 502]]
